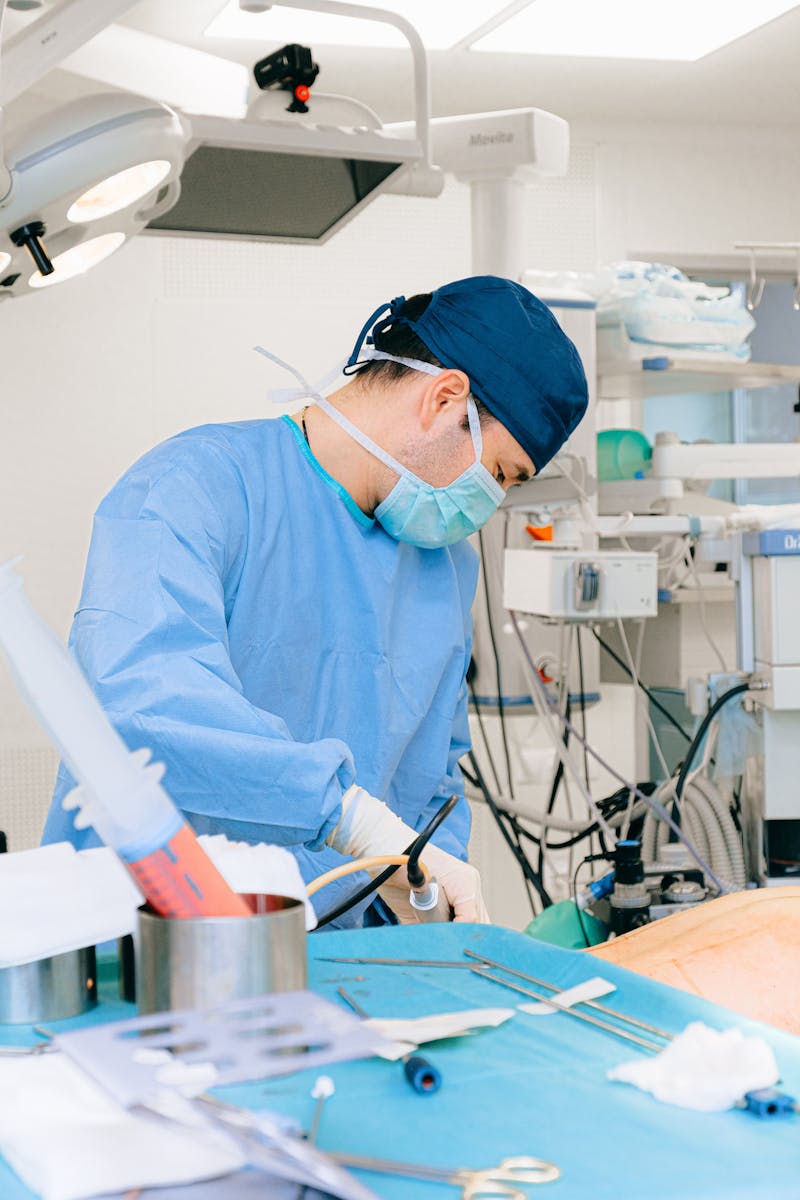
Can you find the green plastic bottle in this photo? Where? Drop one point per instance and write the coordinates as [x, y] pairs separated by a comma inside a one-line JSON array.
[[562, 925], [622, 454]]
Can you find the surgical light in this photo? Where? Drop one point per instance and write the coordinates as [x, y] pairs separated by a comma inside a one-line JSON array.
[[5, 261], [118, 191], [83, 178], [660, 29], [79, 259]]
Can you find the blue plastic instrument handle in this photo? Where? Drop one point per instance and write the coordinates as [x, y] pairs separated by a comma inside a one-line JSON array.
[[769, 1102], [421, 1074]]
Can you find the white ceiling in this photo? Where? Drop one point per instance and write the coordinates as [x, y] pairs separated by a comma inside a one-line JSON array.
[[752, 81]]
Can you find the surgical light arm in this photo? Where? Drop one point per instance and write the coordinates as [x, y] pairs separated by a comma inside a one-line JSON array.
[[40, 47], [422, 87]]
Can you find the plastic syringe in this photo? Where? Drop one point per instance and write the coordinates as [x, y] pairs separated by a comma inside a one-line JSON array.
[[120, 792]]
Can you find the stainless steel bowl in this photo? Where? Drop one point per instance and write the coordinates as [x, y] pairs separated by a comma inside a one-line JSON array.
[[199, 962], [50, 989]]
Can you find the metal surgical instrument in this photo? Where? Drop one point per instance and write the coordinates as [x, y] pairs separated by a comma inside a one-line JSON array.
[[46, 1046], [571, 1012], [495, 1183], [322, 1090], [23, 1051], [610, 1012], [481, 965], [397, 962]]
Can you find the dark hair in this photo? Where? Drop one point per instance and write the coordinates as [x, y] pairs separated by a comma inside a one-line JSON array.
[[400, 339]]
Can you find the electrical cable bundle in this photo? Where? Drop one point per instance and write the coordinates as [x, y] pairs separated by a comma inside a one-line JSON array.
[[704, 822], [413, 851], [706, 817], [702, 810], [649, 801]]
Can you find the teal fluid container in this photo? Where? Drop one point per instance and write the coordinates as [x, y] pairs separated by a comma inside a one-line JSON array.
[[622, 454], [563, 925]]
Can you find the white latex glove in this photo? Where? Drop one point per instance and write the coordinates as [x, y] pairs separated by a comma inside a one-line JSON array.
[[368, 827]]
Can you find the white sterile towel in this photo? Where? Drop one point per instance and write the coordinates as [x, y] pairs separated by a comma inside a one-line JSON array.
[[410, 1032], [703, 1069], [62, 899], [68, 1140], [259, 868]]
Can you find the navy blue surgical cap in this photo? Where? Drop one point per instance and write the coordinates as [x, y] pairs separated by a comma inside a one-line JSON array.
[[520, 363]]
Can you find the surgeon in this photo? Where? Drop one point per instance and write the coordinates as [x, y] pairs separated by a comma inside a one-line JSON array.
[[280, 609]]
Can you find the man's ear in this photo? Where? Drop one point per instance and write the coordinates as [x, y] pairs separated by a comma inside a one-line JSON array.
[[444, 392]]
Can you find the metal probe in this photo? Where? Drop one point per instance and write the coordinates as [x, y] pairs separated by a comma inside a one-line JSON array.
[[490, 962], [571, 1012], [610, 1012], [322, 1090], [399, 962]]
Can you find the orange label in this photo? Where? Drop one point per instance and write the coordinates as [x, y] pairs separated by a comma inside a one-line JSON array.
[[540, 533], [180, 880]]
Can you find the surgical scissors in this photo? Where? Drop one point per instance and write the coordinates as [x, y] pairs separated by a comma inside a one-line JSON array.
[[493, 1183]]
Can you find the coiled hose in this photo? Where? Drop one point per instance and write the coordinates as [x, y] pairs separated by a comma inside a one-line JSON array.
[[708, 822]]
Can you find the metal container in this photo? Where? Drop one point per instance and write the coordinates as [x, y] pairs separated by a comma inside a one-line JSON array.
[[50, 989], [199, 962]]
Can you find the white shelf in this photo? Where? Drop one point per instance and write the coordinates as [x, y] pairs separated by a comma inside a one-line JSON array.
[[628, 381], [717, 590]]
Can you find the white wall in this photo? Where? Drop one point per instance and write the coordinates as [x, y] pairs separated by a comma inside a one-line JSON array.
[[688, 193]]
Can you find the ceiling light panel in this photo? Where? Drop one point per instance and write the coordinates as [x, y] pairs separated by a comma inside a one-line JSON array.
[[658, 29], [440, 24]]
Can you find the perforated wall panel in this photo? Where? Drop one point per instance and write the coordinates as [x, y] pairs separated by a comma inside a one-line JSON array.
[[27, 775]]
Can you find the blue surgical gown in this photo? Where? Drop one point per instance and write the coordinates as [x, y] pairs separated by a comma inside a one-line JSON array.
[[272, 645]]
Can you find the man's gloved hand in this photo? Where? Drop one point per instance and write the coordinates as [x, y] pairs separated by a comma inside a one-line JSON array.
[[368, 827], [460, 883]]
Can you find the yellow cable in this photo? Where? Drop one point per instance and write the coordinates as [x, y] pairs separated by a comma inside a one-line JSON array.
[[361, 864]]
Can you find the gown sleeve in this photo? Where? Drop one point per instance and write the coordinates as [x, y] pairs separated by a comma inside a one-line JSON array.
[[151, 635]]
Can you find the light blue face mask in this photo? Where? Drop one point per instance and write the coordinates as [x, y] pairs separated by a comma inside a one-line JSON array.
[[416, 511]]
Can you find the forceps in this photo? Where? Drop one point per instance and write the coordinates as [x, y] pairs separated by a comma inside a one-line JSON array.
[[494, 1183], [46, 1046]]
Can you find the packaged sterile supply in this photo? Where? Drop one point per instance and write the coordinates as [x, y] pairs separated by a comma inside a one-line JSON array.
[[69, 1139], [63, 899], [650, 309]]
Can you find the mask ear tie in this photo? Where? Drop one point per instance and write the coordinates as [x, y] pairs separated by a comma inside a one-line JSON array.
[[475, 427], [373, 325], [286, 396]]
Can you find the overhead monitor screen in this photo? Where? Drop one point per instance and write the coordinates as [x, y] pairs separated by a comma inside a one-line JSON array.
[[256, 193]]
